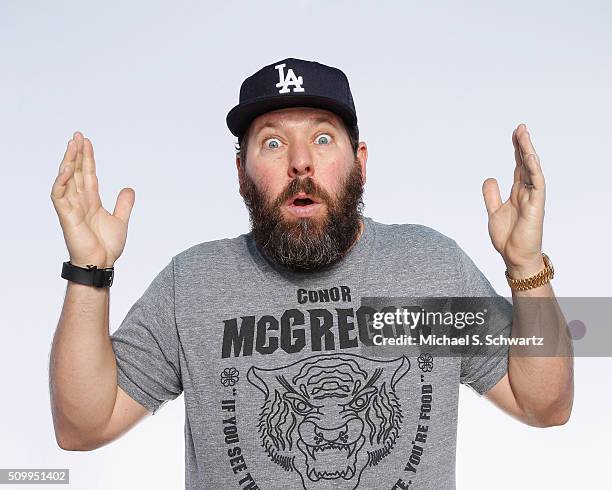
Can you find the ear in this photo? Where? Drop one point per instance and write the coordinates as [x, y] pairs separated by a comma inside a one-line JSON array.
[[240, 169], [362, 156], [238, 164]]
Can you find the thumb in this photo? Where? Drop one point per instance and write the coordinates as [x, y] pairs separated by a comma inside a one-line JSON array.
[[124, 205], [490, 192]]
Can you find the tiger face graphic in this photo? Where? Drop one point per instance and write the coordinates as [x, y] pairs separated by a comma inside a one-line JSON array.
[[328, 417]]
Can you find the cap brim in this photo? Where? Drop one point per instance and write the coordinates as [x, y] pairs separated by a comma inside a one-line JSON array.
[[240, 117]]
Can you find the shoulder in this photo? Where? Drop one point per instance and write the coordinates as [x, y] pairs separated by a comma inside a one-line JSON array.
[[219, 254], [428, 254], [414, 236]]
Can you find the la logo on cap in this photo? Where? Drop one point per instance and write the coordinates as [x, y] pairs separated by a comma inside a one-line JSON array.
[[289, 79]]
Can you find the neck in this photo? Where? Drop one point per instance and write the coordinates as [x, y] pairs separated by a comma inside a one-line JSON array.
[[361, 225]]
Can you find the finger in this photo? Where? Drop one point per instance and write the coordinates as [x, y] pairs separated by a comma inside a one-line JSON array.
[[533, 169], [525, 144], [58, 191], [124, 205], [90, 180], [69, 155], [536, 176], [524, 139], [525, 178], [78, 170], [525, 148], [531, 161], [70, 161], [492, 197], [517, 158], [517, 174]]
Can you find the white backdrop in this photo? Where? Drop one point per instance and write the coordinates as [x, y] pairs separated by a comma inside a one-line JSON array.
[[438, 86]]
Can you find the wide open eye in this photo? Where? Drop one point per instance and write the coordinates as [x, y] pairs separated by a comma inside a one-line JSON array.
[[362, 400], [272, 143], [323, 139], [301, 406]]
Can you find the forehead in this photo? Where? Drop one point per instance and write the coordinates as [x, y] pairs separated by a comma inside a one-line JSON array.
[[294, 116]]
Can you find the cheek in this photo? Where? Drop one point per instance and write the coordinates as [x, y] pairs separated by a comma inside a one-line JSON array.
[[267, 178], [332, 176]]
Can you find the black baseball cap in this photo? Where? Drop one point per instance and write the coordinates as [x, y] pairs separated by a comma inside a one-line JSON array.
[[292, 83]]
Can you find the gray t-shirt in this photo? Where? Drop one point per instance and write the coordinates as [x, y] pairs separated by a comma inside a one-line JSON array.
[[280, 392]]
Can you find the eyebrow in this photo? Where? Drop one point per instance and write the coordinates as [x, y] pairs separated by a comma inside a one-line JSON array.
[[315, 121]]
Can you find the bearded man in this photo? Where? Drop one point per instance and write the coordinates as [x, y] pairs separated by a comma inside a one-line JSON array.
[[266, 334]]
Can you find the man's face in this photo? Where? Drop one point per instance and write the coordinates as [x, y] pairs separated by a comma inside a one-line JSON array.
[[302, 184]]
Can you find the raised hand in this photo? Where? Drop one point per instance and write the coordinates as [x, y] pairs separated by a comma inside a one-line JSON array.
[[93, 235], [516, 226]]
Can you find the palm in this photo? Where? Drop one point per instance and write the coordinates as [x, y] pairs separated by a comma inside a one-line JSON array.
[[98, 231]]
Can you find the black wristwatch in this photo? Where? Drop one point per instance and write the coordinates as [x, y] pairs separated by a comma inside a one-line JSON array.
[[90, 276]]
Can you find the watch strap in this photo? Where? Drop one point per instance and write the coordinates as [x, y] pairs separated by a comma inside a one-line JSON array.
[[89, 276]]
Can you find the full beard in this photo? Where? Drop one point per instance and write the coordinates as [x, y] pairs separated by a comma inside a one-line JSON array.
[[306, 244]]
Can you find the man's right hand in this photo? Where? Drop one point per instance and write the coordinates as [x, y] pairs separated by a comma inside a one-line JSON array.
[[92, 234]]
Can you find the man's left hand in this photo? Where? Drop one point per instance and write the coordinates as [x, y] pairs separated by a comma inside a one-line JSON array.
[[516, 226]]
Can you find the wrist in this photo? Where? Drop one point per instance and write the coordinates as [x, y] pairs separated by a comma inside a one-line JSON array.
[[98, 264], [525, 270], [90, 275], [523, 278]]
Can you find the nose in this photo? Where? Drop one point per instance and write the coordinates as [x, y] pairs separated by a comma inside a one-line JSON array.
[[333, 435], [300, 160]]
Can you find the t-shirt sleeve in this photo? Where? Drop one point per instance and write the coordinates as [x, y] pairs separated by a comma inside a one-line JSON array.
[[146, 345], [483, 367]]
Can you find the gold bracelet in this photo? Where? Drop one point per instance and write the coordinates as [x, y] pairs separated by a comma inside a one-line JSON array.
[[537, 280]]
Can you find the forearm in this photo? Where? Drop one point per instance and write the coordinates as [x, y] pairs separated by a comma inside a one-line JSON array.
[[542, 384], [83, 376]]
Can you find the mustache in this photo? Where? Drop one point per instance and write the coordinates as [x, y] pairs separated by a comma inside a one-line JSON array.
[[306, 185]]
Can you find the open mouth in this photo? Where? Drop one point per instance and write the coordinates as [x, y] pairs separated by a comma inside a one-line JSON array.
[[349, 449], [302, 201], [331, 461], [303, 205]]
